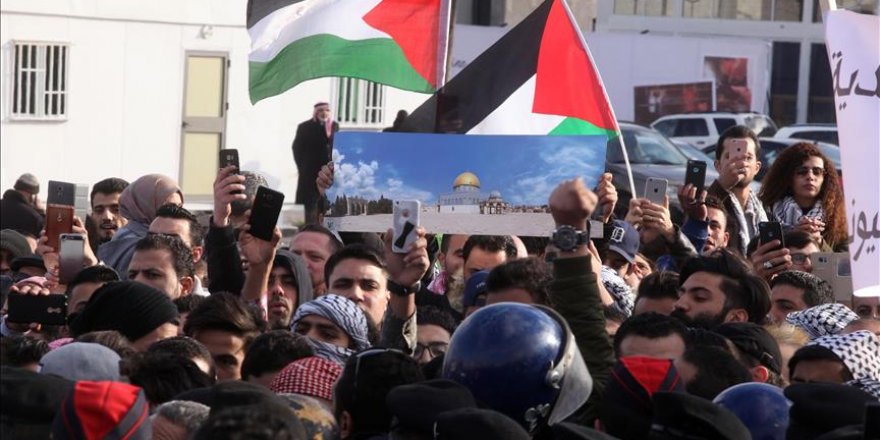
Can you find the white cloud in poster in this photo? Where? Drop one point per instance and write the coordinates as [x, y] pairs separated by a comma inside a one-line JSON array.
[[362, 179], [557, 165]]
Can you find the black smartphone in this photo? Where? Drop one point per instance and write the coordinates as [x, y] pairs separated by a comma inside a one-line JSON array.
[[61, 193], [229, 157], [265, 212], [769, 231], [43, 309], [696, 175], [71, 253]]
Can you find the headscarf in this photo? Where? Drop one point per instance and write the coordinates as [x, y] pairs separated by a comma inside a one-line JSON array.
[[822, 320], [312, 376], [140, 200], [859, 351], [345, 314]]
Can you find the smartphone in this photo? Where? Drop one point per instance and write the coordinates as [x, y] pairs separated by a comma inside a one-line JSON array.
[[655, 190], [70, 256], [59, 220], [696, 175], [834, 268], [229, 157], [61, 193], [740, 148], [43, 309], [406, 220], [769, 231], [265, 212]]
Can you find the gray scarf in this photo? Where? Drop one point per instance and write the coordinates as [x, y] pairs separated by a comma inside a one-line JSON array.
[[789, 213]]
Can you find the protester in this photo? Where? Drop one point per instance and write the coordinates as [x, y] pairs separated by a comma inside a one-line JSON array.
[[179, 222], [650, 335], [105, 220], [794, 291], [336, 327], [163, 262], [311, 376], [178, 420], [270, 353], [658, 293], [20, 207], [227, 327], [525, 281], [435, 330], [311, 150], [802, 191]]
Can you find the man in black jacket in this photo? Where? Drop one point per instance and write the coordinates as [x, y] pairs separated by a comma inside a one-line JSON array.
[[19, 207], [312, 149]]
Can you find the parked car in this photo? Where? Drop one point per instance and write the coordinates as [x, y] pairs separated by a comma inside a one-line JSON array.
[[771, 147], [650, 155], [692, 152], [812, 132], [703, 129]]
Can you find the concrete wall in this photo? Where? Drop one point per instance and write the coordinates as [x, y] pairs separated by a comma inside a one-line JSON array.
[[125, 86]]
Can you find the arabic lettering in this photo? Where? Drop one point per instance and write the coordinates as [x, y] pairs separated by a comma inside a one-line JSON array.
[[863, 233], [854, 86]]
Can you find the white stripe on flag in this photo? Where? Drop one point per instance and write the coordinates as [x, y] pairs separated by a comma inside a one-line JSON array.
[[342, 18], [514, 115]]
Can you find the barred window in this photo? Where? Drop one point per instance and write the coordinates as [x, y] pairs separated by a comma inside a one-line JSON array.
[[40, 80], [359, 103]]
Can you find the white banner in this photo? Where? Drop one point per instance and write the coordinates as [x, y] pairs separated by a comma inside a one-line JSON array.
[[853, 42]]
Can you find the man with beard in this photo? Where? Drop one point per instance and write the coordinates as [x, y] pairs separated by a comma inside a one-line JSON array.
[[105, 220], [736, 160], [312, 149], [720, 288], [288, 287]]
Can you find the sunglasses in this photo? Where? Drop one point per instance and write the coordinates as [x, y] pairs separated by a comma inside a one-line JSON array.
[[817, 171]]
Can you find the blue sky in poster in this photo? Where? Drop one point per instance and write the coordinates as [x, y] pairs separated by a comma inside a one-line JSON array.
[[525, 169]]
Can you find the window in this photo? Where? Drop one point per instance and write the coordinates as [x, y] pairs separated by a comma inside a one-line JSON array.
[[820, 107], [691, 127], [651, 8], [821, 136], [40, 81], [722, 124], [766, 10], [666, 127], [360, 103]]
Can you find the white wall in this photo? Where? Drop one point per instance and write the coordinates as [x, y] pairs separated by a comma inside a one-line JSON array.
[[125, 84]]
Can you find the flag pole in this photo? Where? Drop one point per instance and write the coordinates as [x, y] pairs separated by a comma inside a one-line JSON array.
[[444, 49], [632, 184]]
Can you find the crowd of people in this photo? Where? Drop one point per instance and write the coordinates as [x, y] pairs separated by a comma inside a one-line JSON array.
[[187, 327]]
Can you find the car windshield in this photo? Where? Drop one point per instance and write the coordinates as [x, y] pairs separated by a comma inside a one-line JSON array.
[[761, 125], [645, 147]]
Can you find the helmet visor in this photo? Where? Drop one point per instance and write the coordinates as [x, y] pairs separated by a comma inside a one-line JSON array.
[[577, 384]]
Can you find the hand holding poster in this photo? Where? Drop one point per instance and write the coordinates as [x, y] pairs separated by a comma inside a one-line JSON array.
[[853, 42]]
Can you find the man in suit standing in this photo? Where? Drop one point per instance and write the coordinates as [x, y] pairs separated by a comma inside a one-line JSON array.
[[312, 149]]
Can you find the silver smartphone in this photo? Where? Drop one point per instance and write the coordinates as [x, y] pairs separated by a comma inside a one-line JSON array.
[[834, 267], [406, 220], [655, 190], [70, 256]]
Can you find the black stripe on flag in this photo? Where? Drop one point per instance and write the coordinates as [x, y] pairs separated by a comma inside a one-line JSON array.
[[486, 82], [257, 9]]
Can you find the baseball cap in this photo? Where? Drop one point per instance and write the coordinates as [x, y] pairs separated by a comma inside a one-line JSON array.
[[624, 240]]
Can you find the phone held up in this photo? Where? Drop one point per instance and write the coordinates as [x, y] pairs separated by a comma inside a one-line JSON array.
[[42, 309], [265, 212], [406, 220], [70, 256], [229, 157], [769, 231], [60, 206], [655, 190], [696, 175]]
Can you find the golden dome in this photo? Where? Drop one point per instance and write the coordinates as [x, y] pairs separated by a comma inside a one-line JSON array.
[[466, 178]]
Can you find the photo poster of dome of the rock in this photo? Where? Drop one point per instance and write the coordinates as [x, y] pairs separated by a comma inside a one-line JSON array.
[[467, 184]]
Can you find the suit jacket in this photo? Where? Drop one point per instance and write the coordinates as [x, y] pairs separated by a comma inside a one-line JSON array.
[[311, 150]]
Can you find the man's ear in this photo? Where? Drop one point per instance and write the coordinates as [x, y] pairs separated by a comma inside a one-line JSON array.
[[737, 315], [345, 425], [758, 165], [198, 252], [760, 374], [186, 285], [717, 164]]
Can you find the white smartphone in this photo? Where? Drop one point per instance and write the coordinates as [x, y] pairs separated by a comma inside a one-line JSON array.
[[406, 220], [70, 256], [834, 267], [655, 190]]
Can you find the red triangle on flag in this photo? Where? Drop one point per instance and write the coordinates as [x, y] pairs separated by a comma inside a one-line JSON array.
[[567, 83], [412, 24]]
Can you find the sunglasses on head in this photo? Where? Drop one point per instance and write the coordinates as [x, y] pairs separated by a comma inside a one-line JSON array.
[[817, 171]]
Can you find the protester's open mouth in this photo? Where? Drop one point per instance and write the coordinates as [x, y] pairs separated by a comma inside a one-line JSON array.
[[108, 226], [277, 308]]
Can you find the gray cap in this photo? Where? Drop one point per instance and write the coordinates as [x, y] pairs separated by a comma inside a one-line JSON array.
[[28, 182], [82, 361]]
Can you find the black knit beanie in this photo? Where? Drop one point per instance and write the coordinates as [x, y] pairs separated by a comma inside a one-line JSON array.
[[129, 307]]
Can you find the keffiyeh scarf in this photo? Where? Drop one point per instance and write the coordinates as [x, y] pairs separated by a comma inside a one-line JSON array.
[[746, 229], [859, 351], [345, 314], [789, 213], [619, 290], [822, 320]]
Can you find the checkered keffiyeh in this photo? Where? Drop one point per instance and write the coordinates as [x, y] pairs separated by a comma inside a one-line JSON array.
[[311, 376], [859, 351], [869, 386], [624, 299], [342, 312], [822, 320]]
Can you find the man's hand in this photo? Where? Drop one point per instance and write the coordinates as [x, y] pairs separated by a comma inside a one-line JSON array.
[[407, 269], [732, 173], [634, 213], [812, 226], [258, 252], [657, 217], [779, 259], [692, 205], [607, 195], [571, 203], [224, 185], [30, 286], [89, 258], [325, 178]]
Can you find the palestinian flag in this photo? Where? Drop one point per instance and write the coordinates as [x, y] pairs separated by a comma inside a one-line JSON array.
[[539, 78], [401, 43]]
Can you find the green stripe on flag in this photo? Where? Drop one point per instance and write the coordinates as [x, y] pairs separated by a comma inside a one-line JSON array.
[[377, 59], [575, 126]]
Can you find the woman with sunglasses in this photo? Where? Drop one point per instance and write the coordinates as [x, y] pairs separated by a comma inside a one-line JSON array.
[[802, 191]]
